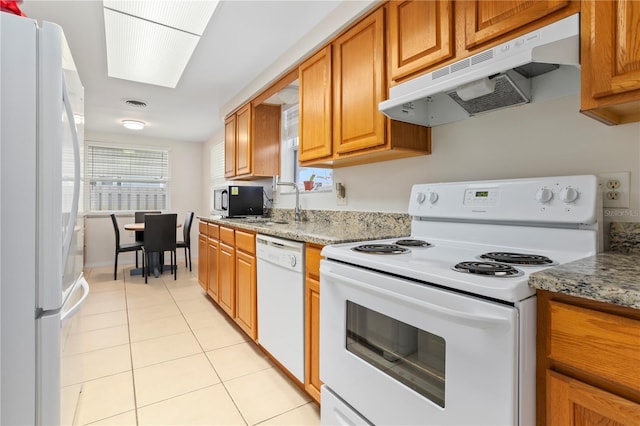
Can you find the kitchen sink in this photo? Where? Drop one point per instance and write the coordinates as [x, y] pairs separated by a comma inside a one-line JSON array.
[[265, 221]]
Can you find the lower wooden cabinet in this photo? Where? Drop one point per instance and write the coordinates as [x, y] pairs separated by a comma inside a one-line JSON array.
[[577, 403], [312, 381], [202, 261], [227, 274], [246, 285], [588, 362], [213, 248], [227, 271]]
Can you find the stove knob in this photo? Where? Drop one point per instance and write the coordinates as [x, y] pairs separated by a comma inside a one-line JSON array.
[[420, 197], [431, 197], [569, 195], [544, 195]]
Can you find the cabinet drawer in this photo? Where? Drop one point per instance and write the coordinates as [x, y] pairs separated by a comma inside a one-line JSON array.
[[227, 236], [202, 227], [313, 260], [213, 231], [246, 242], [596, 342]]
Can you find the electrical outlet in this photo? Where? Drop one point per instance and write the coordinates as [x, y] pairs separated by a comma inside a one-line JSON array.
[[615, 187]]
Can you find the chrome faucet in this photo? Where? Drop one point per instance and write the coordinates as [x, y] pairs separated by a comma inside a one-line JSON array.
[[298, 210]]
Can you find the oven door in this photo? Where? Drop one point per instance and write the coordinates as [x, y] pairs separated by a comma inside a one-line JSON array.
[[402, 352]]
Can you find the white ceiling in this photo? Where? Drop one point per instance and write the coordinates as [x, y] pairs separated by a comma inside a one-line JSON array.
[[242, 40]]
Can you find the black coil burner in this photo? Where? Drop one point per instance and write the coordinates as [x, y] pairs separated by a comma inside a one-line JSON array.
[[413, 243], [518, 259], [491, 269], [381, 249]]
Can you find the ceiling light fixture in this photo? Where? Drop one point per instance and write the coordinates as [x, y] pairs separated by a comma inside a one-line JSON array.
[[152, 41], [133, 124]]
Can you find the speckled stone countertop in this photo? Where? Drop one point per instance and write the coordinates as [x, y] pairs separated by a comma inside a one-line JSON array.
[[611, 277], [325, 227]]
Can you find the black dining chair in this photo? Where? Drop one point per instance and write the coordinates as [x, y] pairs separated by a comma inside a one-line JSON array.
[[121, 248], [139, 218], [159, 237], [186, 241]]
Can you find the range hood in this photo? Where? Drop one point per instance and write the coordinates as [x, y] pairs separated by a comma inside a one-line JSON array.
[[541, 64]]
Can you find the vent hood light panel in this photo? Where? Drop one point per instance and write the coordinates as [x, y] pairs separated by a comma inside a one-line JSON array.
[[428, 100]]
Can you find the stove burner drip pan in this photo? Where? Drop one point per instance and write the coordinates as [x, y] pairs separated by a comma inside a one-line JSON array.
[[381, 249], [489, 269], [413, 243], [522, 259]]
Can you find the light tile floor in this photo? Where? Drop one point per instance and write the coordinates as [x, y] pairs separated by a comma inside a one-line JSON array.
[[163, 353]]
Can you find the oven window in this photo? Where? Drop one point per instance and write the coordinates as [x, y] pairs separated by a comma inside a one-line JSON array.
[[411, 356]]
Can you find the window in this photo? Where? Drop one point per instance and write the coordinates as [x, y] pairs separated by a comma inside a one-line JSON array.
[[127, 179], [216, 169], [322, 178]]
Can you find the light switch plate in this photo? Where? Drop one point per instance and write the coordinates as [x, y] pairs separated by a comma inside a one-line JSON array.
[[615, 189], [341, 194]]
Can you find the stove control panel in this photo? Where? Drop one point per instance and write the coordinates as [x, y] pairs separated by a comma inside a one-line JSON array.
[[560, 199], [481, 196]]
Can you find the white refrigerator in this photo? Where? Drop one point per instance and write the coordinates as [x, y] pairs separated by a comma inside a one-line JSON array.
[[41, 238]]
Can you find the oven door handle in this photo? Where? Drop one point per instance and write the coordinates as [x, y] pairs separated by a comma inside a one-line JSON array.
[[459, 317]]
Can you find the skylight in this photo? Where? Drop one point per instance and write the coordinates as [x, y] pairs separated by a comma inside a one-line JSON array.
[[152, 41]]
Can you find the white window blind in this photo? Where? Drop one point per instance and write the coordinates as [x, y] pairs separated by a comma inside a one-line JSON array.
[[125, 179], [217, 164], [216, 171]]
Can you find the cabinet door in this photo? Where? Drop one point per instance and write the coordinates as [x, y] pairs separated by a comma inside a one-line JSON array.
[[246, 293], [359, 85], [487, 20], [226, 279], [315, 107], [610, 50], [243, 141], [421, 35], [230, 146], [312, 338], [576, 403], [202, 261], [212, 267]]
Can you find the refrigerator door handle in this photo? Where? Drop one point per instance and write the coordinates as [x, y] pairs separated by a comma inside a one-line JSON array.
[[67, 314], [76, 171]]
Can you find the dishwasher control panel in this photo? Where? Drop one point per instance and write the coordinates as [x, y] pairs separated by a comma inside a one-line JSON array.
[[286, 254]]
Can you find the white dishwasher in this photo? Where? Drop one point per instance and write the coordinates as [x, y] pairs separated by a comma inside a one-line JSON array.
[[281, 301]]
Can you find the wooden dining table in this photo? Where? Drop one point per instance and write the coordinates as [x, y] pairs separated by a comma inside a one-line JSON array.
[[157, 262]]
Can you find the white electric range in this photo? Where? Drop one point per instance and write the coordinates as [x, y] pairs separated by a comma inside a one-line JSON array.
[[439, 328]]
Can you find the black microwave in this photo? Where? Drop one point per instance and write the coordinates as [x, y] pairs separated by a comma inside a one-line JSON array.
[[238, 201]]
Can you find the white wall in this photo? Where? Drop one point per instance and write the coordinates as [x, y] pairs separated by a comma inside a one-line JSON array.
[[541, 139], [187, 180]]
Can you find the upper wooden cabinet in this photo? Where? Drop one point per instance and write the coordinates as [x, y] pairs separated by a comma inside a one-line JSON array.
[[487, 20], [359, 86], [424, 36], [315, 106], [230, 146], [421, 35], [340, 124], [252, 142], [243, 134], [610, 56]]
